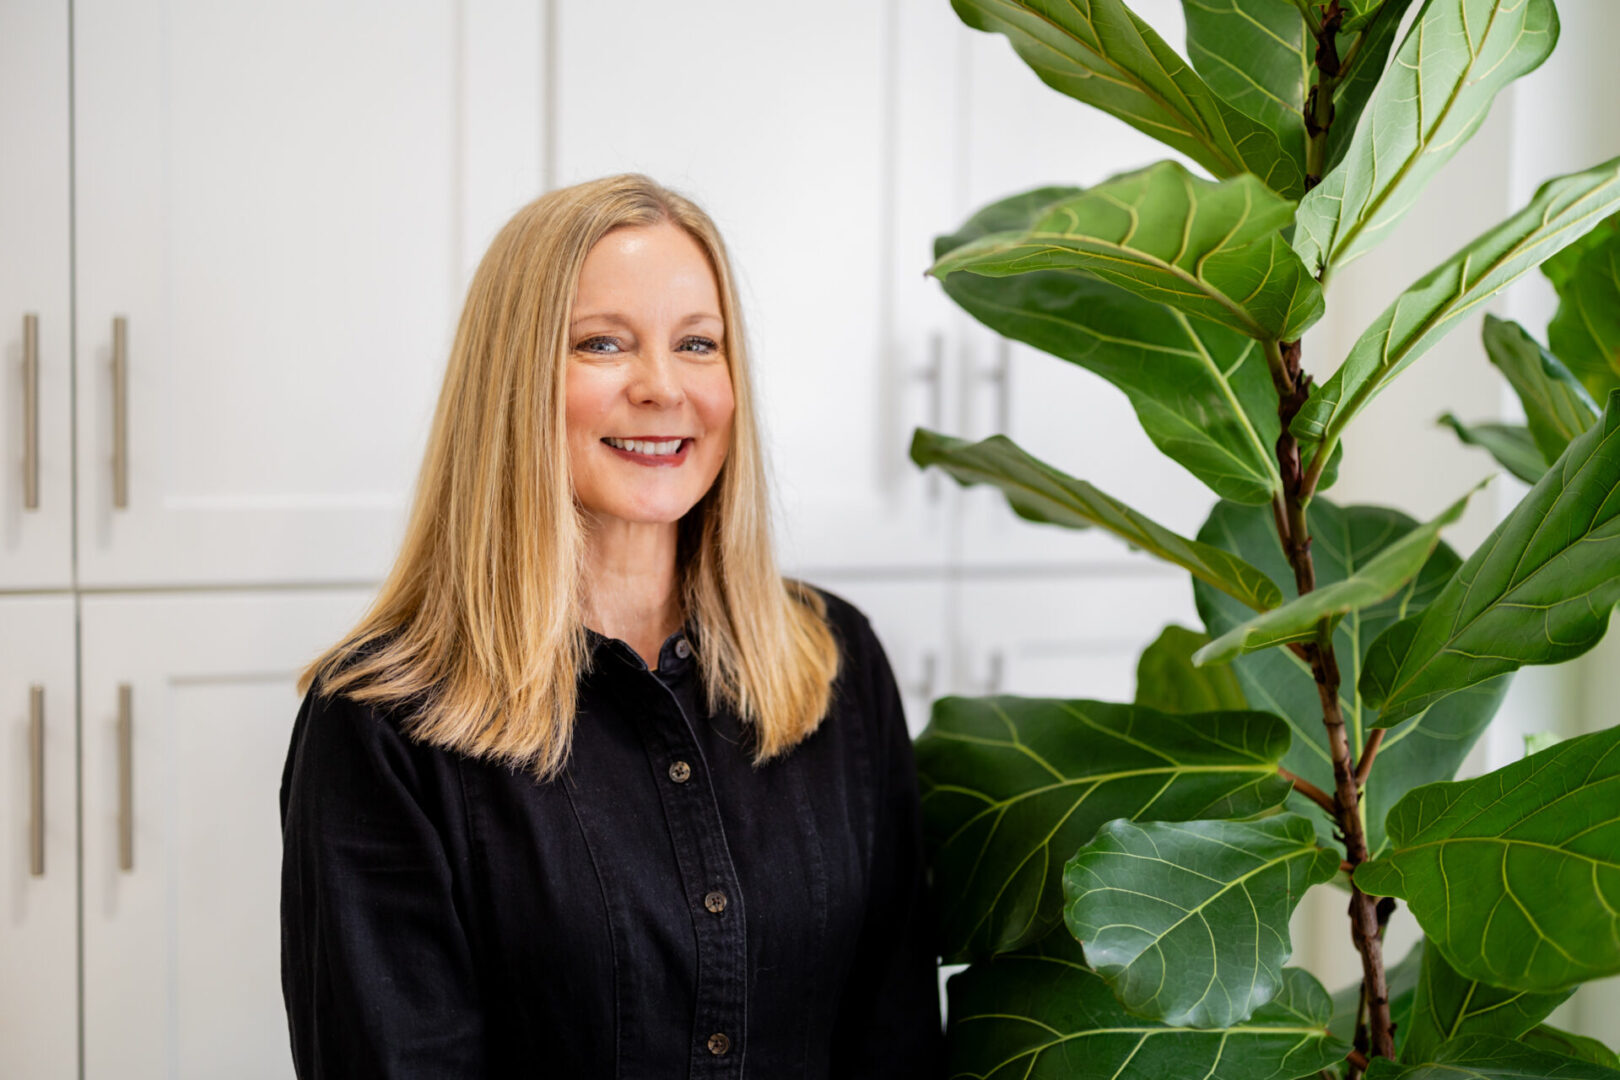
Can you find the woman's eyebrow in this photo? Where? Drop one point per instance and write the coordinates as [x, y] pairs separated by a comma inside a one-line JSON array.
[[615, 317]]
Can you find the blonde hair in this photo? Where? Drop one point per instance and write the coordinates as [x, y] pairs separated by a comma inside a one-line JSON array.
[[479, 624]]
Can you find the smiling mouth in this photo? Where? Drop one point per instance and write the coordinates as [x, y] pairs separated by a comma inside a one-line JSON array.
[[644, 452]]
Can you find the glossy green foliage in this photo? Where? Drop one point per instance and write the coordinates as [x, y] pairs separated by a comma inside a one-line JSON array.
[[1101, 53], [1167, 680], [1344, 539], [1447, 1005], [1556, 406], [1491, 1057], [1515, 875], [1561, 211], [1200, 390], [1511, 445], [1457, 57], [1012, 786], [1038, 492], [1188, 921], [1259, 56], [1039, 1014], [1585, 331], [1213, 250], [1365, 586], [1539, 590]]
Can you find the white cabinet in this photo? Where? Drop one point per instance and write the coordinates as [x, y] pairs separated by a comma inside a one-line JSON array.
[[911, 620], [276, 212], [188, 707], [785, 127], [39, 1004], [1073, 636], [36, 462], [1021, 134]]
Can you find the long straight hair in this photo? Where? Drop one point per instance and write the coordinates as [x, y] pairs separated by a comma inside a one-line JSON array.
[[479, 626]]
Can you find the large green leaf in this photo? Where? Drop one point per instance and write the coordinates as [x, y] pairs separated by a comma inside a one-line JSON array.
[[1448, 1005], [1211, 249], [1455, 59], [1538, 590], [1490, 1057], [1011, 786], [1201, 391], [1557, 1041], [1562, 210], [1515, 875], [1101, 53], [1385, 574], [1166, 679], [1188, 921], [1564, 265], [1345, 539], [1038, 492], [1585, 331], [1040, 1015], [1510, 444], [1556, 406], [1257, 55]]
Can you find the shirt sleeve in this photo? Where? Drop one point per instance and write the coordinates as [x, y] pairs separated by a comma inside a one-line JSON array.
[[376, 969], [888, 1019]]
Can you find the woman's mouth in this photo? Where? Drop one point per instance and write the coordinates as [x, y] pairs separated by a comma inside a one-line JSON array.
[[650, 451]]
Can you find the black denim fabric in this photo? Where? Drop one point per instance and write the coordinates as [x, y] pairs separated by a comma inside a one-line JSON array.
[[663, 909]]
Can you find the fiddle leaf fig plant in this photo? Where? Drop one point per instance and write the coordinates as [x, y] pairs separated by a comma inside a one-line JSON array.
[[1119, 876]]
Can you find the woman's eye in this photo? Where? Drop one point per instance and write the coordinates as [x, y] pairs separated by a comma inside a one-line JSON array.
[[708, 346], [582, 346], [705, 344]]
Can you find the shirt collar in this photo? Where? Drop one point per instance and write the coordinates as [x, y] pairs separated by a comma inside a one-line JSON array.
[[670, 662]]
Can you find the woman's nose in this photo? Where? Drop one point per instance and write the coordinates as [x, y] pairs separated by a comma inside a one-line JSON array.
[[657, 378]]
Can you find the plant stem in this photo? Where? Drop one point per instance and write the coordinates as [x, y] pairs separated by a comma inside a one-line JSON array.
[[1319, 102], [1368, 753], [1310, 791], [1293, 387]]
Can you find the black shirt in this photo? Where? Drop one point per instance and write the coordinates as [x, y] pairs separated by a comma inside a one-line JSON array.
[[662, 909]]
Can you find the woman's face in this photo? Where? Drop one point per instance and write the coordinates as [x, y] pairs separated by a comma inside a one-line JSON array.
[[646, 361]]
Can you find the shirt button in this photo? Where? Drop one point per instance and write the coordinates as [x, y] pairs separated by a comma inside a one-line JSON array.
[[715, 901], [719, 1043], [680, 772], [682, 649]]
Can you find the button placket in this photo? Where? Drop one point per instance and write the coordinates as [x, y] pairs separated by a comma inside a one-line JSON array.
[[693, 814]]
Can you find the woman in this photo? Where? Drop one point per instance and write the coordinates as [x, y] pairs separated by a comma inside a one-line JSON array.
[[591, 790]]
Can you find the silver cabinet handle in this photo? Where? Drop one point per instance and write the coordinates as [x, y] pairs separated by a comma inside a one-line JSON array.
[[120, 366], [36, 780], [934, 375], [30, 412], [126, 780], [999, 375], [998, 666], [924, 688]]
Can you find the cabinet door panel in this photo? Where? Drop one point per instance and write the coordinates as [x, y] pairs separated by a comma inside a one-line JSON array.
[[783, 127], [35, 540], [1075, 636], [1022, 134], [910, 620], [181, 951], [39, 992], [282, 203]]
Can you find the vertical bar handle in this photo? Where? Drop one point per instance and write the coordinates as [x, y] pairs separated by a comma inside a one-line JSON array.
[[126, 780], [934, 376], [31, 412], [120, 366], [36, 780], [999, 376]]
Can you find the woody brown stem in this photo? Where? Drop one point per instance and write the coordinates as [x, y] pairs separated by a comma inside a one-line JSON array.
[[1310, 791]]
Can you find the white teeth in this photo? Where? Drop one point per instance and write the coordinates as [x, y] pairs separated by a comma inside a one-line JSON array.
[[657, 449]]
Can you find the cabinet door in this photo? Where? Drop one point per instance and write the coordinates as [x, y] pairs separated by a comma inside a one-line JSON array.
[[783, 125], [36, 481], [1074, 636], [39, 993], [910, 620], [189, 702], [279, 205], [1022, 134]]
